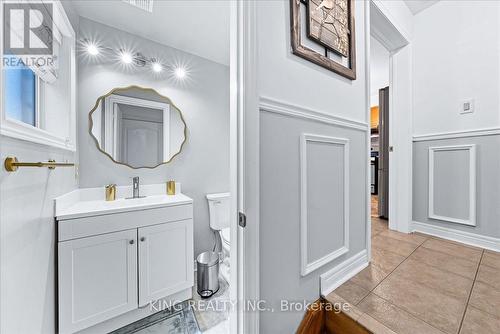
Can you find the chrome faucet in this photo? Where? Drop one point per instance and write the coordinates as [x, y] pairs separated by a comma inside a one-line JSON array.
[[135, 187]]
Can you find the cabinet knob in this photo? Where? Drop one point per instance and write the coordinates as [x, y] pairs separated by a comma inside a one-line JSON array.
[[143, 238], [131, 242]]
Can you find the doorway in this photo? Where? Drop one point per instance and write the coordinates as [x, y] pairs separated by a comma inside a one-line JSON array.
[[391, 36], [379, 129]]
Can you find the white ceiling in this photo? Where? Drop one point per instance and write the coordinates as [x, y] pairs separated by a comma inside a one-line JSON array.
[[196, 26], [416, 6]]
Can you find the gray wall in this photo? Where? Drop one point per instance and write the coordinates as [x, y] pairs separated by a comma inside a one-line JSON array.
[[487, 184], [435, 113], [28, 239], [203, 165], [280, 277], [297, 83]]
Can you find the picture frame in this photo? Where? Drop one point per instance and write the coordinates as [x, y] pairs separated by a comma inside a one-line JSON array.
[[323, 59]]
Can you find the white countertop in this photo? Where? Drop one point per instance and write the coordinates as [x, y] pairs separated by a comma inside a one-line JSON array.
[[89, 202]]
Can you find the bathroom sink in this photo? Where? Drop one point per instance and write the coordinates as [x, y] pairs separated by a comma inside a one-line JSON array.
[[78, 204]]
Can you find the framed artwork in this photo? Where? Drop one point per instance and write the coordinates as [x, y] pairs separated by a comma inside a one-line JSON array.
[[329, 24]]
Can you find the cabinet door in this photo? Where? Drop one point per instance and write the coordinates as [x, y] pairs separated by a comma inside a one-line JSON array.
[[97, 279], [165, 260]]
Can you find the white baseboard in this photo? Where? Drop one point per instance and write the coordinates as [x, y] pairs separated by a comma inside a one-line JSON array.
[[338, 275], [456, 235]]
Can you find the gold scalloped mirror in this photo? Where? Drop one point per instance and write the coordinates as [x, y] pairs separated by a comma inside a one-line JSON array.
[[137, 127]]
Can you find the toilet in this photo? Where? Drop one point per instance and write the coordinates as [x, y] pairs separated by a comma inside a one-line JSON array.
[[218, 206]]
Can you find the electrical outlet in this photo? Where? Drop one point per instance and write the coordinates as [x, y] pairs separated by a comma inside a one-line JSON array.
[[467, 106]]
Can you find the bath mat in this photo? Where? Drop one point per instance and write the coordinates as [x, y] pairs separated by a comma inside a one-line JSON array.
[[178, 321]]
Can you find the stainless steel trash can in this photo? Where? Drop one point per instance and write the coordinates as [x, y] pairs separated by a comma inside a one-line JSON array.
[[207, 266]]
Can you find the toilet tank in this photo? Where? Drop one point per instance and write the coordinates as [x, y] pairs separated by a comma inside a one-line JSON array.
[[218, 206]]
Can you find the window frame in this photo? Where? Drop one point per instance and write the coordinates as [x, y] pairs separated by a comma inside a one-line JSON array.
[[20, 130]]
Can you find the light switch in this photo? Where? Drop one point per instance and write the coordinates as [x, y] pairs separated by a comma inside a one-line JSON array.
[[467, 106]]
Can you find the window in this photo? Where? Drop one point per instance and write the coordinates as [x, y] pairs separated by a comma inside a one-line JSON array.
[[20, 91], [38, 102]]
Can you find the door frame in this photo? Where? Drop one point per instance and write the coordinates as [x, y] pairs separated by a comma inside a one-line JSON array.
[[112, 119], [383, 26], [244, 184]]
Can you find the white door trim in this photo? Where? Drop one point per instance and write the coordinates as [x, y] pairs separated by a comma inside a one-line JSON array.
[[244, 164], [400, 176], [368, 224], [111, 123], [249, 173]]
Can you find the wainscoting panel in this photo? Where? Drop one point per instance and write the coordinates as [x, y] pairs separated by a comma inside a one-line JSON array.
[[479, 192], [335, 151], [324, 200], [452, 184]]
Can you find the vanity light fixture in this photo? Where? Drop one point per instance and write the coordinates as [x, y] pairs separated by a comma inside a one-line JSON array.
[[126, 57], [92, 49], [135, 59], [157, 67], [180, 72]]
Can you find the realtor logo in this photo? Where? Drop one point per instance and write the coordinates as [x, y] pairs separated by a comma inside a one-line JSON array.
[[27, 28]]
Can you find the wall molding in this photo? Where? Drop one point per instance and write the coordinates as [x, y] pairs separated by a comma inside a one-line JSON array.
[[468, 238], [472, 183], [18, 130], [292, 110], [308, 267], [343, 272], [457, 134]]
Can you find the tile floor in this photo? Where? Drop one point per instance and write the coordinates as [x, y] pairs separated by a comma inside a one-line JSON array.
[[418, 284]]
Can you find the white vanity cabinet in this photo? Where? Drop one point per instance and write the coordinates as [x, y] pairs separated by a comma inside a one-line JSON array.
[[113, 263], [97, 279], [165, 260]]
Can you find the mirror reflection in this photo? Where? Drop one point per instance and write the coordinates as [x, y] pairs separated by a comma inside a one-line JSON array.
[[137, 127]]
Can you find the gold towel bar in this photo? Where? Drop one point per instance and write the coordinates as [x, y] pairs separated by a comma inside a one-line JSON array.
[[12, 164]]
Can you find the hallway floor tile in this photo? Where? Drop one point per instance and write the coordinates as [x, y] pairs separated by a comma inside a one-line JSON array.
[[420, 284]]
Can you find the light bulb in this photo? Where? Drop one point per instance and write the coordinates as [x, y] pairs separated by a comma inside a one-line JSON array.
[[180, 72], [92, 49], [126, 58], [157, 67]]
